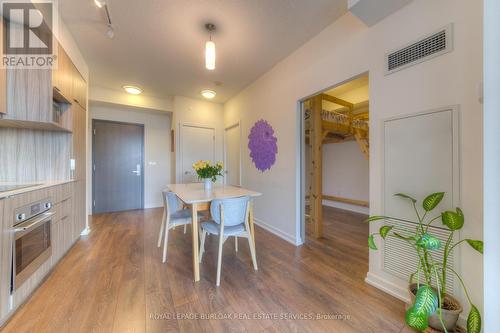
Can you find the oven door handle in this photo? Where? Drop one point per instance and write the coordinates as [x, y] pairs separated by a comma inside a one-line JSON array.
[[38, 221]]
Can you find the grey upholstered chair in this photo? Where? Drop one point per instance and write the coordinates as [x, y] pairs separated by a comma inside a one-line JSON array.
[[173, 216], [229, 219]]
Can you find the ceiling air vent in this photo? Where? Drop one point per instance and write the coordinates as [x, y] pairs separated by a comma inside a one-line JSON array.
[[426, 48]]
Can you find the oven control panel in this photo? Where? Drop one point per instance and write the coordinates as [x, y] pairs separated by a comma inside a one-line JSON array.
[[26, 212]]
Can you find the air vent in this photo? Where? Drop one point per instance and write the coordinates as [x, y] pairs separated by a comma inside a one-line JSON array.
[[428, 47], [400, 259]]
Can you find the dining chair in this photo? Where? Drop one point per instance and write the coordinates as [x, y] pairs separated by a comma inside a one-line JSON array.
[[229, 219], [173, 215]]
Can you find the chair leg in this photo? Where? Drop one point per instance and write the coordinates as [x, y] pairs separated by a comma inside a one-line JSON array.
[[219, 257], [251, 245], [185, 228], [165, 243], [161, 228], [202, 246], [236, 243]]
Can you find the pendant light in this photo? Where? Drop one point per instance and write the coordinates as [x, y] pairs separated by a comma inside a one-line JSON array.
[[210, 48]]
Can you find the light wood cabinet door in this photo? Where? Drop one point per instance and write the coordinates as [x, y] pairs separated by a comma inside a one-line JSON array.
[[79, 88], [63, 75], [3, 91], [79, 154], [79, 116], [80, 215], [29, 94]]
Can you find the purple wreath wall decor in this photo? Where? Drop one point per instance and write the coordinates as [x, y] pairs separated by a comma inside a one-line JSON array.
[[263, 145]]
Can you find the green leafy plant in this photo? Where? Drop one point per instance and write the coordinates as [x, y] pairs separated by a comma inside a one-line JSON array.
[[207, 170], [429, 298]]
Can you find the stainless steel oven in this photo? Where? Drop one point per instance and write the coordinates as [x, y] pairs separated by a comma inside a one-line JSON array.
[[32, 241]]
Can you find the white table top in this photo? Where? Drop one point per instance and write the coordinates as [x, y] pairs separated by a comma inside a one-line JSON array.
[[195, 192]]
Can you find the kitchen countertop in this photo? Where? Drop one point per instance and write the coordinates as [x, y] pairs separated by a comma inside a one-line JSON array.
[[40, 185]]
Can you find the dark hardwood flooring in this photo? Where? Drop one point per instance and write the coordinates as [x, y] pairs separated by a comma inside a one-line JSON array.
[[113, 281]]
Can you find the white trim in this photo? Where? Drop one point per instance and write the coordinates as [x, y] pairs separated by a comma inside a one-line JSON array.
[[456, 193], [346, 206], [300, 198], [388, 287], [179, 176], [275, 231], [224, 150], [491, 167], [85, 231]]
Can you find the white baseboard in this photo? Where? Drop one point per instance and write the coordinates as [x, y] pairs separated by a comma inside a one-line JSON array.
[[85, 231], [391, 288], [153, 205], [275, 231], [345, 206]]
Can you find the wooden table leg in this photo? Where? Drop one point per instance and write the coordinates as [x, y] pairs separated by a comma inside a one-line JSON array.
[[196, 262], [250, 217]]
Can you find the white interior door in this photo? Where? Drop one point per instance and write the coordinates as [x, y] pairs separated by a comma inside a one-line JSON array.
[[197, 143], [232, 155]]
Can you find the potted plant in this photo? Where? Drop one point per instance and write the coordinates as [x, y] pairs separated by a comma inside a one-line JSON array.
[[208, 172], [431, 305]]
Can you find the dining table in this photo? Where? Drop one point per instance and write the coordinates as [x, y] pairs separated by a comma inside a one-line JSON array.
[[198, 198]]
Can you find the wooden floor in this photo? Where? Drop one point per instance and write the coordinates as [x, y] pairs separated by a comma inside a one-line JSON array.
[[113, 281]]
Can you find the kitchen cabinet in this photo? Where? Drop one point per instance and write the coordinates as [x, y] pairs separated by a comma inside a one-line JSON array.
[[3, 81], [62, 75], [79, 142], [4, 263], [79, 90], [29, 95], [79, 174], [3, 91]]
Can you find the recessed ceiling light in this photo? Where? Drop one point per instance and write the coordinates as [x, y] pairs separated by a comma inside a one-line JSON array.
[[208, 94], [133, 90], [99, 3]]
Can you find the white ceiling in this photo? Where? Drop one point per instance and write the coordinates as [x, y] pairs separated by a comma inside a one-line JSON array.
[[159, 44]]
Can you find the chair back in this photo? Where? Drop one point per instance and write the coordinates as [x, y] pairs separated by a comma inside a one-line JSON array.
[[170, 202], [235, 210]]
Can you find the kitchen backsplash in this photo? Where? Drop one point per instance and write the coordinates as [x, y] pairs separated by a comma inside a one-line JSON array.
[[34, 156]]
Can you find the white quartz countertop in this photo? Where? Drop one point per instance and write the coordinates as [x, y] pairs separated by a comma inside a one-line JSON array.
[[37, 186]]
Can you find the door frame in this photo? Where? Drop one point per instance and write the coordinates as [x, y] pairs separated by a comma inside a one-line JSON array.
[[180, 175], [236, 124], [92, 169], [300, 172]]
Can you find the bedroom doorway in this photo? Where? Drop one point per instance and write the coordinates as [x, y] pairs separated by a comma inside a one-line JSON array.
[[335, 169]]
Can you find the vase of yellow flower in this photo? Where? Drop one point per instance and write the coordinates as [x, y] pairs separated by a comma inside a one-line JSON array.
[[208, 172]]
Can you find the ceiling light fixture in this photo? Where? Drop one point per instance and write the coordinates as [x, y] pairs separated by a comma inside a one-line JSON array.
[[208, 94], [99, 3], [133, 90], [103, 5], [210, 48]]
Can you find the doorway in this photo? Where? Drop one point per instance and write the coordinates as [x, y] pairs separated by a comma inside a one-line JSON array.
[[335, 167], [197, 142], [232, 155], [117, 166]]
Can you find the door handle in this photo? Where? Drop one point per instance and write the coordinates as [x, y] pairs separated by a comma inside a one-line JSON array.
[[137, 171], [187, 172]]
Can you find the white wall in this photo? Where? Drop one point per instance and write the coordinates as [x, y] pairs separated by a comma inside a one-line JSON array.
[[120, 97], [491, 165], [157, 155], [343, 50], [199, 112], [346, 174]]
